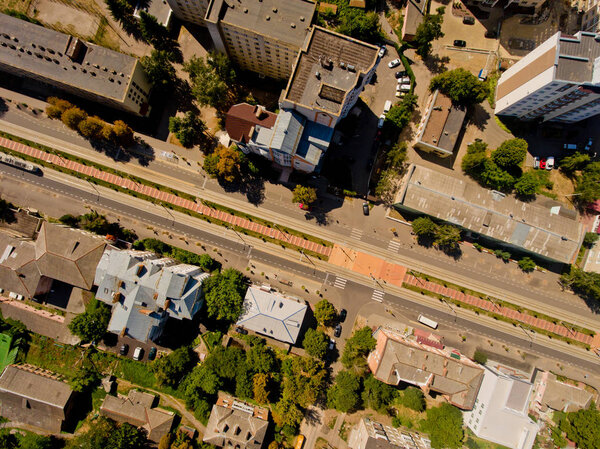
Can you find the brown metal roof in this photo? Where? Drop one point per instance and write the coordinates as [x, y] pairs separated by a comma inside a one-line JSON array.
[[241, 118]]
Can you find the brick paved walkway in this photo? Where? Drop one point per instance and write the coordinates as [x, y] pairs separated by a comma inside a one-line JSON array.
[[500, 310], [166, 197]]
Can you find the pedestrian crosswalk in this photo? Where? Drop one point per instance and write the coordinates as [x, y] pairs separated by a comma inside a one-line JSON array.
[[356, 233], [340, 282], [378, 295], [394, 245]]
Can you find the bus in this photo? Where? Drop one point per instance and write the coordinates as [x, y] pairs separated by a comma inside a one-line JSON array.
[[299, 442], [427, 321]]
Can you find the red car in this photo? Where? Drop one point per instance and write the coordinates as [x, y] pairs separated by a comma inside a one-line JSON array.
[[543, 163]]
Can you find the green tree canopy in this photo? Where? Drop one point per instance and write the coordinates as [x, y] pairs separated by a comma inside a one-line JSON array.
[[588, 187], [104, 433], [583, 427], [153, 32], [304, 195], [56, 107], [473, 162], [358, 347], [123, 133], [447, 237], [91, 127], [495, 177], [261, 359], [344, 394], [224, 294], [461, 86], [159, 70], [527, 185], [527, 264], [400, 114], [589, 239], [510, 154], [211, 79], [169, 370], [429, 30], [224, 163], [72, 117], [584, 283], [187, 129], [91, 325], [325, 312], [444, 425], [570, 164], [377, 395], [424, 227], [355, 23], [85, 378], [413, 398], [315, 343]]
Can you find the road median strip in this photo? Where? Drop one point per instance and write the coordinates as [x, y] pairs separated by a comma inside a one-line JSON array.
[[180, 201]]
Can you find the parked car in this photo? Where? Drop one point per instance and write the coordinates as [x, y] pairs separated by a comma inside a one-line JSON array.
[[365, 208], [337, 331], [469, 20], [331, 344], [401, 73], [550, 163], [460, 43], [399, 94], [380, 121], [570, 146], [482, 75], [387, 106], [382, 51], [138, 353], [124, 349], [404, 80], [543, 163], [241, 330], [394, 63], [536, 162], [343, 314], [152, 353], [403, 87]]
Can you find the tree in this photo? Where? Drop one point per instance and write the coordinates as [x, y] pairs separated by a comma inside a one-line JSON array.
[[377, 395], [344, 393], [474, 163], [413, 398], [480, 357], [589, 239], [358, 347], [363, 26], [165, 441], [33, 441], [447, 237], [170, 370], [152, 31], [208, 87], [461, 86], [73, 116], [91, 127], [583, 427], [91, 325], [496, 178], [187, 129], [123, 133], [260, 384], [527, 185], [287, 413], [424, 227], [56, 107], [224, 294], [588, 187], [510, 154], [585, 284], [221, 64], [396, 157], [261, 359], [429, 30], [304, 195], [400, 114], [444, 425], [315, 343], [104, 433], [84, 379], [224, 163], [122, 12], [127, 436], [570, 164], [324, 312], [159, 70], [527, 264]]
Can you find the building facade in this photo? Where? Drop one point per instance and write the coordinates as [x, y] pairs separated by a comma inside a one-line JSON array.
[[369, 434], [263, 36], [190, 10], [558, 81], [73, 65]]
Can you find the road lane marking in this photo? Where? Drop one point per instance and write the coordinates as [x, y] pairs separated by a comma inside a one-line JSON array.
[[340, 282], [378, 295]]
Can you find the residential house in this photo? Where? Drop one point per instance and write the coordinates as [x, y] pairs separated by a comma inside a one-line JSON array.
[[400, 358], [271, 314], [145, 290], [553, 394], [500, 411], [36, 397], [236, 424], [138, 409], [369, 434]]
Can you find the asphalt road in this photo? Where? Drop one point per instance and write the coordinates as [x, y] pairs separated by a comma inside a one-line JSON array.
[[353, 291]]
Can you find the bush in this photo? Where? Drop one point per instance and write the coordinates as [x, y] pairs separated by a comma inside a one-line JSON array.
[[504, 255], [461, 86], [480, 357], [527, 264], [91, 127], [56, 107], [72, 117], [589, 239], [510, 154]]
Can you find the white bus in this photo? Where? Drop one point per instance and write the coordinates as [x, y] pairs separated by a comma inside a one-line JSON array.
[[427, 321]]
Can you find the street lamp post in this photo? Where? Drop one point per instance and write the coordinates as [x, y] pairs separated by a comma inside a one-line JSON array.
[[94, 187], [376, 281], [451, 308], [236, 233], [169, 212], [529, 336]]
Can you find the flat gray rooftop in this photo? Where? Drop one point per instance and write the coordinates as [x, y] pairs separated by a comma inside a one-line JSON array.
[[576, 56], [157, 8], [287, 21], [543, 227], [41, 52], [443, 123], [340, 62]]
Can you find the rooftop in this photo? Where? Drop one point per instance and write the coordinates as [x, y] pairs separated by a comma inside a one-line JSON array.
[[44, 52], [443, 123], [273, 315], [157, 8], [369, 434], [287, 21], [413, 16], [35, 384], [397, 359], [576, 57], [242, 119], [544, 227], [560, 395], [339, 61]]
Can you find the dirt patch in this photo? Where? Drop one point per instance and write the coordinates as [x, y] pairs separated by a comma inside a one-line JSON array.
[[71, 20], [562, 186]]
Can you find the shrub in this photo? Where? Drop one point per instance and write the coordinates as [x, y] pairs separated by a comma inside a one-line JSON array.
[[480, 357], [527, 264], [72, 117]]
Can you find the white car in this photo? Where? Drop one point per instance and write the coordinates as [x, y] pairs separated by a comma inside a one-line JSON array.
[[380, 121], [403, 87], [382, 51], [394, 63], [550, 163], [138, 353], [399, 94], [404, 80]]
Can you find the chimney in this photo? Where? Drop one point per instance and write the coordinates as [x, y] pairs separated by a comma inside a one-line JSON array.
[[260, 112]]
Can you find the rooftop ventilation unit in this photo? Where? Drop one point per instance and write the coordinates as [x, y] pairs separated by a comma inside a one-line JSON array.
[[342, 65], [318, 75], [351, 68]]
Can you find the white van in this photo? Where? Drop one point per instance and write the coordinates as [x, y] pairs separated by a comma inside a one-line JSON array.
[[427, 321], [387, 106]]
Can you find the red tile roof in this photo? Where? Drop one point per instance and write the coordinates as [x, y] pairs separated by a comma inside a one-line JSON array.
[[241, 118]]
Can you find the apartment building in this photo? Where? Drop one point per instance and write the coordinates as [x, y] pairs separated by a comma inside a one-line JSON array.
[[330, 73], [190, 10], [558, 81], [73, 66], [263, 36]]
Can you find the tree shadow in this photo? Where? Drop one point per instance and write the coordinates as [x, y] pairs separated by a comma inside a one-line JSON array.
[[318, 215], [478, 117], [3, 107], [312, 417], [453, 251], [435, 64]]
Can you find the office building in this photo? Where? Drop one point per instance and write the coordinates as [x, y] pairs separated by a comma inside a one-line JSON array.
[[330, 73], [73, 66], [558, 81], [263, 36]]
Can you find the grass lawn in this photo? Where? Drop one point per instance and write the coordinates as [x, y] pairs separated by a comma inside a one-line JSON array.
[[17, 5]]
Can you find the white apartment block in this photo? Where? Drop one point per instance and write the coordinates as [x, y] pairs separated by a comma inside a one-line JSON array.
[[591, 16], [263, 36], [190, 10], [558, 81]]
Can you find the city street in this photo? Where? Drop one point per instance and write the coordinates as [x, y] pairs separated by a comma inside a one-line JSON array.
[[356, 290]]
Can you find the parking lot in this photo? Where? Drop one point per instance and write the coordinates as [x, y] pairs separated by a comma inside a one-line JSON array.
[[113, 344]]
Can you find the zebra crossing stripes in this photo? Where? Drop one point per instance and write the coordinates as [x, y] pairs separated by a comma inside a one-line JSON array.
[[378, 295], [340, 282], [394, 245], [356, 233]]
